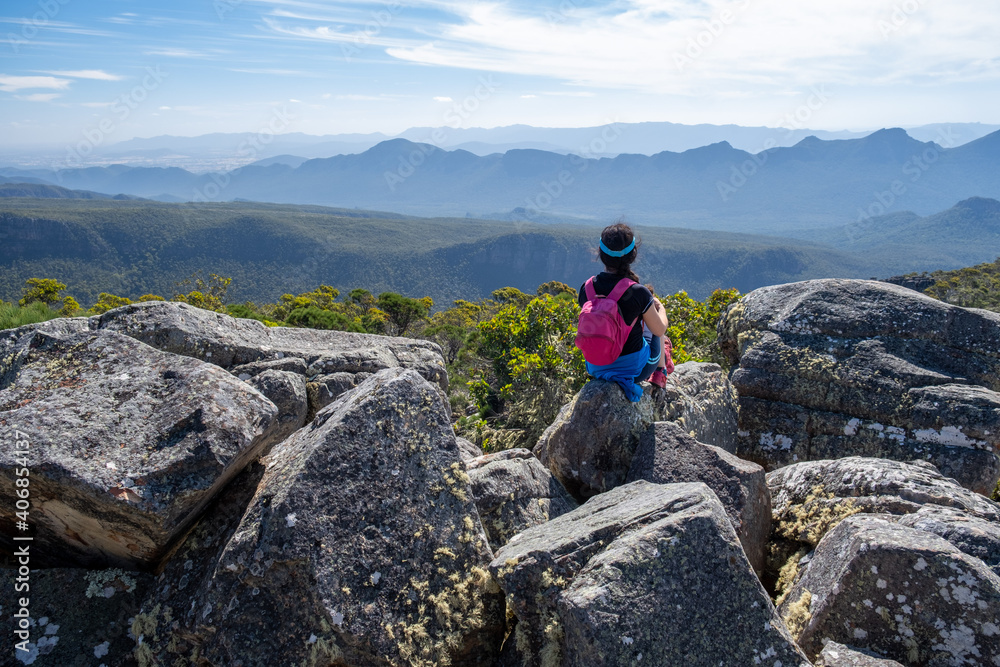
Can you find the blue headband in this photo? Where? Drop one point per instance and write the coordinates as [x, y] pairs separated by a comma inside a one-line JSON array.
[[617, 253]]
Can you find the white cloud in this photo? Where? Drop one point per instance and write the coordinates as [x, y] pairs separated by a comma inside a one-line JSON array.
[[693, 48], [38, 97], [443, 99], [528, 97], [176, 53], [97, 74], [12, 84]]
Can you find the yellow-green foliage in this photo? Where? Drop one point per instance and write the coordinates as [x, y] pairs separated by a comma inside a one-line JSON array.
[[435, 630], [973, 287], [693, 324], [797, 614], [787, 575], [106, 302], [812, 519], [208, 293], [41, 290]]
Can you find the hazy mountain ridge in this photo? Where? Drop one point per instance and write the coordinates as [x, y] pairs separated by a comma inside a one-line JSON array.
[[813, 184]]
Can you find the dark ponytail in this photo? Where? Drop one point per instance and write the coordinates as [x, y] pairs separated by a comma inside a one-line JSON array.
[[618, 237]]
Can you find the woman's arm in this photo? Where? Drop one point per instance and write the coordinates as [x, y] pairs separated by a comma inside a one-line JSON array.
[[655, 318]]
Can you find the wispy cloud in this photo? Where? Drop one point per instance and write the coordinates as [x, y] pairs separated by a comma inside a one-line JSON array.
[[12, 84], [97, 74], [443, 99], [176, 53], [638, 44], [38, 97]]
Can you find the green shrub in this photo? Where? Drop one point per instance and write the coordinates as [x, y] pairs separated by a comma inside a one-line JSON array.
[[12, 316]]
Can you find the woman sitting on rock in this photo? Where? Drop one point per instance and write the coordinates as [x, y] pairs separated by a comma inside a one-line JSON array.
[[640, 357]]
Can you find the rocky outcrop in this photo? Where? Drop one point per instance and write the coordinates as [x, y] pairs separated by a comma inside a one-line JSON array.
[[287, 391], [833, 368], [590, 444], [78, 618], [513, 492], [811, 498], [126, 444], [229, 342], [700, 398], [361, 546], [872, 486], [468, 449], [667, 455], [838, 655], [645, 573], [899, 592]]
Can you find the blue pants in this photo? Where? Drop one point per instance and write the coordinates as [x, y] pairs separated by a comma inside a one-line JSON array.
[[655, 343]]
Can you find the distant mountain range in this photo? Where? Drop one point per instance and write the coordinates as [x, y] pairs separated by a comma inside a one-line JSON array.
[[811, 185], [222, 151], [135, 247]]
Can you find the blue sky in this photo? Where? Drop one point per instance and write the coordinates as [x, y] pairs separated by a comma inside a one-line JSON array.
[[126, 68]]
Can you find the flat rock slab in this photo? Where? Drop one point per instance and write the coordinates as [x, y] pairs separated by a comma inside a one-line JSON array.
[[899, 592], [873, 485], [78, 618], [590, 444], [513, 492], [838, 655], [230, 342], [126, 444], [361, 546], [668, 455], [643, 574], [831, 368]]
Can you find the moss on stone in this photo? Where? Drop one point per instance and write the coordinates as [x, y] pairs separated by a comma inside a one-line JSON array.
[[797, 614]]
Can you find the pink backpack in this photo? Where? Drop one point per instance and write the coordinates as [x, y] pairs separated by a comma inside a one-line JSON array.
[[601, 332]]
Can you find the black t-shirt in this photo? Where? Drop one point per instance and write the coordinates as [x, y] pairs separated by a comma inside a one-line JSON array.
[[636, 300]]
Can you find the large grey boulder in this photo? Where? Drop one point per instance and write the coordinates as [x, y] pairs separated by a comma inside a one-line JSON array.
[[872, 486], [700, 398], [77, 617], [812, 497], [668, 455], [970, 534], [902, 593], [833, 368], [838, 655], [643, 574], [167, 629], [287, 390], [590, 444], [229, 342], [513, 492], [361, 546], [126, 444]]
